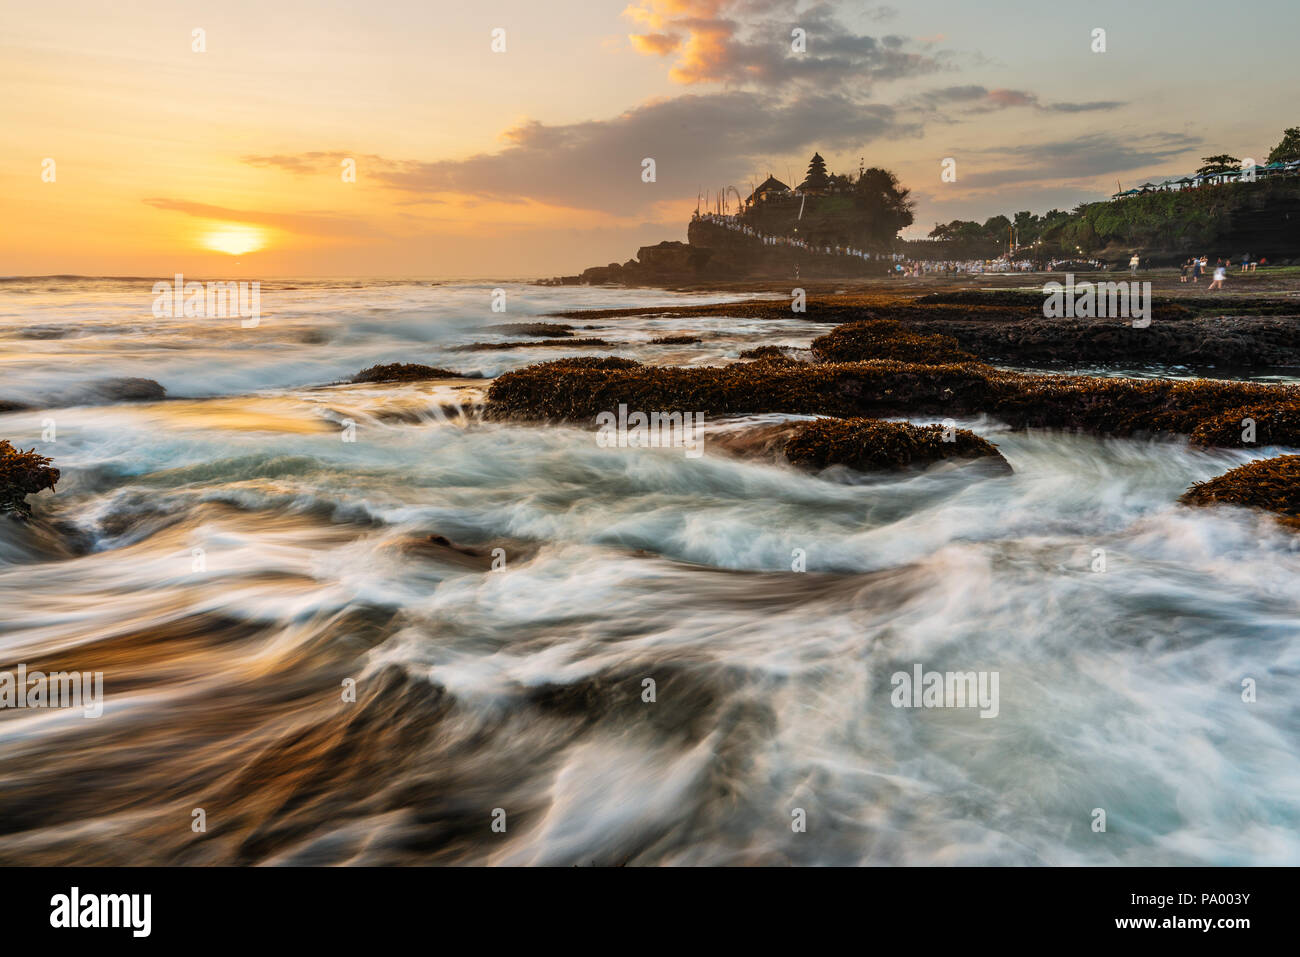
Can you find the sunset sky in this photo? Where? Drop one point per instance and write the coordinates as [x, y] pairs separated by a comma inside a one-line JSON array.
[[527, 163]]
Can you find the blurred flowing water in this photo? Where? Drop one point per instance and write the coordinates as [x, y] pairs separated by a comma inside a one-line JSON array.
[[230, 563]]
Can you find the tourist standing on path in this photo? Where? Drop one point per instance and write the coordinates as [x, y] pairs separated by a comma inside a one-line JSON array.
[[1133, 265], [1245, 263], [1182, 273], [1196, 270], [1220, 274]]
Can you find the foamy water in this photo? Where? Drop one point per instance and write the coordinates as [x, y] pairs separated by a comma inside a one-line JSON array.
[[521, 687]]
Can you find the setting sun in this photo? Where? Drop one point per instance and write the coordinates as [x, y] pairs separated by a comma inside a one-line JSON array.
[[234, 239]]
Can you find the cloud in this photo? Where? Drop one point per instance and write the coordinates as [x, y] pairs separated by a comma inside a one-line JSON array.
[[318, 161], [308, 224], [767, 104], [749, 43], [974, 99], [1084, 107], [1079, 158], [698, 141], [657, 43]]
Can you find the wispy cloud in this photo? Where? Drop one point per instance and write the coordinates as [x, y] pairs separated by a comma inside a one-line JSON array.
[[307, 224], [1079, 158], [973, 98], [696, 140]]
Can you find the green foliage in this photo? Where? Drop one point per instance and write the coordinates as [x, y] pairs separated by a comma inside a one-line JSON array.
[[866, 213], [1220, 163], [997, 226], [1185, 219], [1287, 151]]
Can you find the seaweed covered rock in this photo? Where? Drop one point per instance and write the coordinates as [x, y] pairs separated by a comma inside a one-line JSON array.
[[886, 339], [589, 362], [1113, 406], [1164, 308], [22, 474], [1107, 406], [558, 390], [763, 352], [870, 444], [539, 330], [1175, 335], [530, 344], [1251, 427], [403, 372], [1269, 484], [864, 444]]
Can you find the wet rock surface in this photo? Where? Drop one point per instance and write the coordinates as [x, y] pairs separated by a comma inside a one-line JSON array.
[[403, 372], [22, 474], [1269, 484]]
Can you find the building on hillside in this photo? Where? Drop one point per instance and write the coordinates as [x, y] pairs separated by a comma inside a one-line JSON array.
[[770, 188], [1199, 180], [817, 182]]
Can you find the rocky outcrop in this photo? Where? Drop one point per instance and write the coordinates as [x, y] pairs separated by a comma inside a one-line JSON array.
[[564, 390], [886, 339], [403, 372], [1269, 484], [715, 253], [862, 444], [22, 474]]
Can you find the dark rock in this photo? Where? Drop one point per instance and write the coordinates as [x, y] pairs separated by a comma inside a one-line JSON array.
[[22, 474], [403, 372], [886, 339], [1269, 484], [531, 344]]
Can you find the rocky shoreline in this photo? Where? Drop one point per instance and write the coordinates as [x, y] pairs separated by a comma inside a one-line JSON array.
[[894, 356], [931, 359]]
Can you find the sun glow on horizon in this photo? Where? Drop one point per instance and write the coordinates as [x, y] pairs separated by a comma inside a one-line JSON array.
[[234, 239]]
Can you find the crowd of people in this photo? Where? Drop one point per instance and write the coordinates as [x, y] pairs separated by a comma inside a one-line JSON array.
[[1196, 267], [915, 268], [901, 266], [909, 268], [733, 223]]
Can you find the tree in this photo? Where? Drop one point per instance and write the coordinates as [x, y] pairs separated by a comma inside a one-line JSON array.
[[816, 178], [996, 227], [1288, 151], [1222, 163], [1027, 227], [884, 205], [959, 229]]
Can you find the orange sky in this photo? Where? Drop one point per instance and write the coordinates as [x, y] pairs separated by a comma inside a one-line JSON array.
[[527, 162]]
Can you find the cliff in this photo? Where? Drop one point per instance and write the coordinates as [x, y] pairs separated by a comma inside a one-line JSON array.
[[1165, 228], [715, 252]]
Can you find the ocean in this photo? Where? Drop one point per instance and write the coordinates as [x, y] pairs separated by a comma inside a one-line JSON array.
[[359, 624]]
